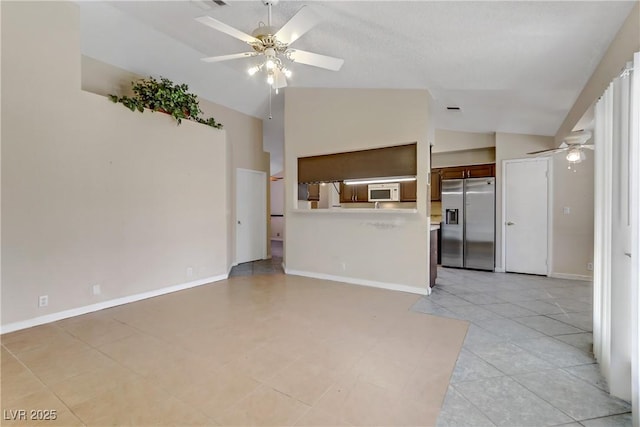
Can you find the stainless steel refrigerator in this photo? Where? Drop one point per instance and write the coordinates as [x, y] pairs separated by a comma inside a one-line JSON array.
[[468, 228]]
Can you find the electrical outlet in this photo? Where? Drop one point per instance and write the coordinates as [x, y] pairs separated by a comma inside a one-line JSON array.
[[590, 266], [96, 290], [566, 210], [189, 271], [43, 300]]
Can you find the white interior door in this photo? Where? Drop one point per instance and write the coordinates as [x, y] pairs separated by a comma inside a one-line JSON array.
[[251, 211], [525, 216]]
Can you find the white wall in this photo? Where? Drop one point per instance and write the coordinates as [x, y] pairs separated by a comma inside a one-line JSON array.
[[449, 140], [277, 208], [572, 245], [476, 156], [244, 133], [374, 248], [93, 193]]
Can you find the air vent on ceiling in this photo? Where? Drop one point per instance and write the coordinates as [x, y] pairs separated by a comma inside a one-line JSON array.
[[453, 109]]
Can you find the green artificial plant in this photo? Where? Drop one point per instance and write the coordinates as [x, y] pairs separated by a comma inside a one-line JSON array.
[[165, 96]]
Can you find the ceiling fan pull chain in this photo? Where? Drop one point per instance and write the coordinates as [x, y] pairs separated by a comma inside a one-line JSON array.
[[270, 100]]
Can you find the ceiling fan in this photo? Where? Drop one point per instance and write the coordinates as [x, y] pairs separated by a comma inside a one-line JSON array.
[[273, 45], [574, 144]]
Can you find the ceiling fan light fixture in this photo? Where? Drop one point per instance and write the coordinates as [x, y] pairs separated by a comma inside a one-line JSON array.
[[272, 45], [575, 155]]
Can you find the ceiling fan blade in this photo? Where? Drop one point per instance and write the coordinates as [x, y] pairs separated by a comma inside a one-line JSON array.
[[549, 151], [228, 57], [227, 29], [578, 137], [315, 59], [589, 146], [279, 80], [301, 22]]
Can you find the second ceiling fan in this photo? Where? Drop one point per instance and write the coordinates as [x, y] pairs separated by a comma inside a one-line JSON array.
[[273, 45], [574, 144]]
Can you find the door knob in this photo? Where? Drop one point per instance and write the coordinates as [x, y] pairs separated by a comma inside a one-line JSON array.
[[511, 223]]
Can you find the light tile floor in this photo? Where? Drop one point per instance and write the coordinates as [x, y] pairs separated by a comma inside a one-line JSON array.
[[282, 350], [265, 266], [260, 350], [526, 359]]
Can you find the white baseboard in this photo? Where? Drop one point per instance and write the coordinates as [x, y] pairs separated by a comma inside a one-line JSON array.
[[571, 277], [53, 317], [361, 282], [499, 270]]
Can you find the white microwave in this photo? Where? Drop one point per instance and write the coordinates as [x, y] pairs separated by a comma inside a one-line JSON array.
[[384, 192]]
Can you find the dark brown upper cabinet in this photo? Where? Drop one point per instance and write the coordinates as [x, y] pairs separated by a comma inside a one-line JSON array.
[[408, 191], [470, 171], [458, 172], [399, 160], [481, 171], [354, 193]]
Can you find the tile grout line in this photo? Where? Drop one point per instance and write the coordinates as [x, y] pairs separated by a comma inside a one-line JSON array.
[[550, 403], [46, 386], [514, 342], [495, 423]]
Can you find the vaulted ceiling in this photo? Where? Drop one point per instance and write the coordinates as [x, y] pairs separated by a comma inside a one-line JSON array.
[[511, 66]]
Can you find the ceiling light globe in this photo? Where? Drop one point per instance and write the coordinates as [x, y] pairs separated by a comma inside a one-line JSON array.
[[270, 79], [252, 70], [575, 155], [270, 64]]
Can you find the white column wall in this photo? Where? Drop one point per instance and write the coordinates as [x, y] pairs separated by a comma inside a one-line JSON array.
[[372, 248]]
